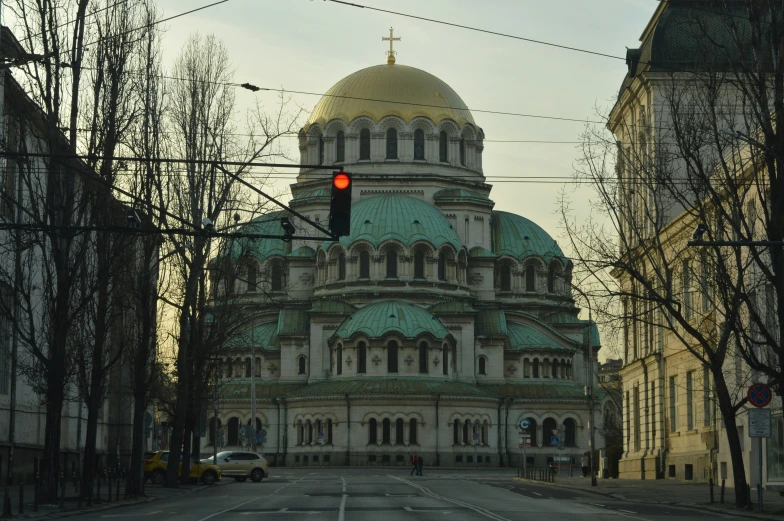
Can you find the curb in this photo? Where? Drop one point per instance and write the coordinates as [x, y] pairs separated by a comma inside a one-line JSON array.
[[749, 514]]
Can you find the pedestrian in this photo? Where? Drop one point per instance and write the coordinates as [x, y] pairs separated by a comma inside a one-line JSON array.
[[420, 463], [414, 464], [584, 464]]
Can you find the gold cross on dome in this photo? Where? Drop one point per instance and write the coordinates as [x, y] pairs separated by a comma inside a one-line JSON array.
[[391, 53]]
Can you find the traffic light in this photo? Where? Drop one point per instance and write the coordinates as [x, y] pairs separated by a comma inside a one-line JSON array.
[[340, 204]]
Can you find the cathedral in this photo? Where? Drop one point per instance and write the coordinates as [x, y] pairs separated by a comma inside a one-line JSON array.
[[434, 328]]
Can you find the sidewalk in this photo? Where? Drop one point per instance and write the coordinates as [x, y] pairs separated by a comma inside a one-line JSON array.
[[670, 492], [71, 506]]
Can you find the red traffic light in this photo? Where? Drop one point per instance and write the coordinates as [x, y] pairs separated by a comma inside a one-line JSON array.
[[341, 181]]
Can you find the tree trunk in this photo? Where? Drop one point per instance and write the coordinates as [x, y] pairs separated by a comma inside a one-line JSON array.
[[50, 463], [729, 415], [87, 486], [187, 446]]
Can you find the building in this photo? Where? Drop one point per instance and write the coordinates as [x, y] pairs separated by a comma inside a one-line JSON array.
[[434, 328]]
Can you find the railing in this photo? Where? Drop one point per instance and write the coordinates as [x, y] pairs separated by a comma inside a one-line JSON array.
[[538, 473]]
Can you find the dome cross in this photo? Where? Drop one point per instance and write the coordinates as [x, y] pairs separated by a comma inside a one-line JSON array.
[[391, 53]]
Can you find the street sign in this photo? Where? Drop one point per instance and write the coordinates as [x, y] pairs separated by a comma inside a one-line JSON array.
[[525, 423], [759, 395], [554, 441], [759, 423], [321, 438], [476, 438], [555, 432], [242, 431]]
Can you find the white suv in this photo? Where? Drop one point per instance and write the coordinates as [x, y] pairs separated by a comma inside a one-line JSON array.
[[241, 465]]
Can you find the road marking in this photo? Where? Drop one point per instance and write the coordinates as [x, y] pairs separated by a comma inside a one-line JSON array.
[[342, 511], [428, 492], [344, 483], [240, 504], [626, 511], [132, 515], [409, 509], [537, 493]]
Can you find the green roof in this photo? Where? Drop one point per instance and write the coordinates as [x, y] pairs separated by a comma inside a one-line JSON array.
[[332, 306], [316, 195], [241, 389], [451, 307], [491, 322], [518, 237], [387, 316], [406, 219], [293, 322], [383, 386], [263, 336], [595, 339], [477, 252], [461, 195], [303, 251], [268, 224], [538, 391], [526, 337]]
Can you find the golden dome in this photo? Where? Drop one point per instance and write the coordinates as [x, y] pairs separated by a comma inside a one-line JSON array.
[[390, 90]]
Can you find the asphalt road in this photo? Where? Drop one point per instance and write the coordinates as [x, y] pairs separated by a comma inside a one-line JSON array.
[[382, 494]]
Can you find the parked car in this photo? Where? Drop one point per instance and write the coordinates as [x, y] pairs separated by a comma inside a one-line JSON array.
[[241, 465], [155, 465]]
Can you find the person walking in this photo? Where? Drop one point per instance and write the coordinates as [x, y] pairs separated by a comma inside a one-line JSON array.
[[414, 464], [584, 464], [420, 463]]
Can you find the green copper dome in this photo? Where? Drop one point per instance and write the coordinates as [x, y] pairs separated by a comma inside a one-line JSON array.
[[517, 236], [387, 316], [267, 224], [523, 337], [406, 219]]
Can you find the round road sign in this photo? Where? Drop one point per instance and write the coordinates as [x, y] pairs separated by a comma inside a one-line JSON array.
[[759, 395], [525, 423]]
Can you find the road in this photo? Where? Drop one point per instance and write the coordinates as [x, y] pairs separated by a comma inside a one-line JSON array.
[[383, 494]]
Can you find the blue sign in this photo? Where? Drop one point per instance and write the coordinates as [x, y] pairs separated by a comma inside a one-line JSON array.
[[759, 395], [554, 441], [525, 423]]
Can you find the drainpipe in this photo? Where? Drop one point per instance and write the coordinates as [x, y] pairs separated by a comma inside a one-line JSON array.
[[506, 428], [277, 448], [285, 428], [498, 424], [438, 453], [348, 431]]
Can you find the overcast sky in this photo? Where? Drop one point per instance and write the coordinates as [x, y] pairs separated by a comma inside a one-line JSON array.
[[309, 45]]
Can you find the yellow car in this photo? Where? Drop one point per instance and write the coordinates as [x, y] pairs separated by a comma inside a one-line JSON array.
[[155, 464]]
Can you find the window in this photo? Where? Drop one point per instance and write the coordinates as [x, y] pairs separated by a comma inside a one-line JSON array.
[[636, 412], [445, 365], [554, 367], [339, 360], [705, 283], [392, 357], [462, 152], [653, 414], [412, 431], [361, 358], [548, 426], [482, 365], [419, 265], [443, 148], [391, 143], [277, 277], [399, 431], [691, 403], [551, 274], [364, 265], [456, 432], [536, 368], [251, 275], [364, 144], [328, 434], [419, 144], [442, 266], [530, 278], [373, 431], [5, 341], [301, 362], [321, 150], [233, 435], [342, 266], [340, 147], [423, 358], [466, 428], [229, 368], [706, 397], [391, 264], [506, 277], [386, 428], [247, 367], [673, 405], [686, 298]]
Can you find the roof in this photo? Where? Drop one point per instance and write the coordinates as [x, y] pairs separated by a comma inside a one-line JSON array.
[[539, 391], [401, 91], [396, 386], [262, 336], [303, 251], [239, 390], [332, 306], [261, 249], [293, 322], [461, 195], [317, 195], [491, 322], [388, 316], [522, 337], [519, 237], [451, 307], [477, 252], [406, 219]]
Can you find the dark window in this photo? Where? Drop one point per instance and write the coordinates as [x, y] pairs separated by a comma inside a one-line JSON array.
[[321, 150], [412, 431], [423, 358], [301, 365], [399, 431], [247, 367], [456, 433], [386, 433], [342, 266], [482, 365], [419, 265], [443, 154], [506, 277], [340, 148], [548, 426], [391, 143], [339, 360], [361, 358], [328, 434], [364, 265], [277, 277], [251, 277], [551, 278], [462, 151], [229, 368], [536, 368], [554, 367], [391, 264], [232, 437], [569, 440], [364, 144], [392, 357], [446, 361], [442, 266], [373, 431], [532, 432], [466, 430], [530, 278], [419, 144]]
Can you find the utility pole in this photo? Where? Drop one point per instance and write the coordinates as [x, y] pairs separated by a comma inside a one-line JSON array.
[[253, 395]]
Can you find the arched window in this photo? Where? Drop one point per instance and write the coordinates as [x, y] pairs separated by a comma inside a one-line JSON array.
[[373, 431], [443, 148], [483, 438], [530, 278], [569, 427], [364, 144], [555, 368], [548, 426], [340, 147], [532, 432], [251, 277], [551, 274], [462, 151], [419, 265], [258, 424], [423, 358], [506, 277], [399, 431], [392, 357], [536, 368], [466, 430], [233, 436], [442, 266], [482, 365], [391, 143], [321, 150], [342, 266], [361, 358], [386, 429], [364, 265], [276, 277], [339, 360], [419, 144], [456, 432], [328, 434], [391, 264], [247, 367], [412, 431], [301, 362], [309, 432], [446, 360], [526, 368], [229, 368], [300, 433]]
